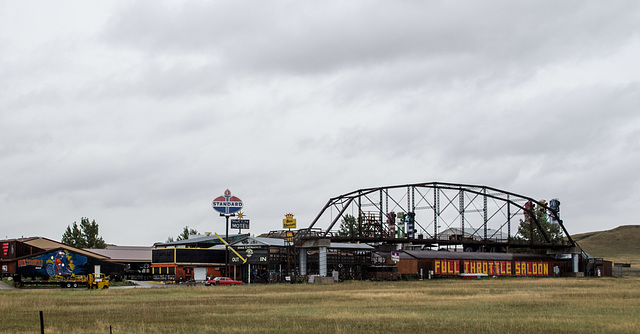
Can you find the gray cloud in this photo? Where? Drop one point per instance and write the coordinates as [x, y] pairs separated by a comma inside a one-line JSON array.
[[333, 36], [138, 114]]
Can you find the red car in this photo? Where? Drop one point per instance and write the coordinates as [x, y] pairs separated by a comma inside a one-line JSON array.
[[222, 281]]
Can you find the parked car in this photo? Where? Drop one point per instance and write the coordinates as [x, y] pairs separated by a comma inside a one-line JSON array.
[[222, 281]]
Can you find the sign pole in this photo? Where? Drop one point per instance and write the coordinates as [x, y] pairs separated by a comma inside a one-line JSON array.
[[289, 223], [226, 252], [227, 205], [226, 248], [289, 255]]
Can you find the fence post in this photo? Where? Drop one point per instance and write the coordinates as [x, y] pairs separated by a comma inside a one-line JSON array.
[[41, 323]]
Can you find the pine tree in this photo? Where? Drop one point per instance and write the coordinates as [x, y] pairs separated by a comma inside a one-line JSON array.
[[86, 236], [186, 232], [73, 236], [529, 232], [348, 226]]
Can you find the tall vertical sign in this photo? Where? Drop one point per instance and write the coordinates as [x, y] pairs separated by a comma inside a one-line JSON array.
[[227, 205]]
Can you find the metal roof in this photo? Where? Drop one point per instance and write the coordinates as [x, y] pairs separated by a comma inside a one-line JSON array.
[[125, 253], [476, 235], [249, 240], [344, 245], [200, 241], [279, 242], [48, 244], [470, 255]]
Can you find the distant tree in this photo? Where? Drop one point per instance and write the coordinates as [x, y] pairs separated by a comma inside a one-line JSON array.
[[85, 236], [348, 226], [184, 235], [528, 231], [73, 236]]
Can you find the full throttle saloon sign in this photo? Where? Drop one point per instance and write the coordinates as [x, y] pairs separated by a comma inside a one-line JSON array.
[[491, 268], [227, 204]]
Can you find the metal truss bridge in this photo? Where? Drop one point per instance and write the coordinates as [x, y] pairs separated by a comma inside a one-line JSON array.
[[436, 214]]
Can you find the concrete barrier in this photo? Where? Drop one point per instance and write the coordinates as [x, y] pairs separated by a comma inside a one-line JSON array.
[[320, 280]]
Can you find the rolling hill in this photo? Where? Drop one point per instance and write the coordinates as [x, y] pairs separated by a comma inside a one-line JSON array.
[[621, 244]]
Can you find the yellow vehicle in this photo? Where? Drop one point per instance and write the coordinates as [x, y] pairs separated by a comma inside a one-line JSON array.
[[97, 281]]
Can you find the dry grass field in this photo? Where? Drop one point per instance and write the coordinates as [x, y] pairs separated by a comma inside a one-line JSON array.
[[547, 305]]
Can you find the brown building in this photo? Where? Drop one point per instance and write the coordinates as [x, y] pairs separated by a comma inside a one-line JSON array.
[[42, 257]]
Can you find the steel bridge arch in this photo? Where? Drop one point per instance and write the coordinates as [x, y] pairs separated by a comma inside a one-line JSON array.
[[461, 201]]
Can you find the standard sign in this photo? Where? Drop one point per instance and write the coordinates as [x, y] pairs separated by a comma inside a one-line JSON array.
[[242, 224], [227, 204], [395, 256]]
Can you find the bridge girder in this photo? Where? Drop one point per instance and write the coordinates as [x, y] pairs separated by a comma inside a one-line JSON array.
[[474, 214]]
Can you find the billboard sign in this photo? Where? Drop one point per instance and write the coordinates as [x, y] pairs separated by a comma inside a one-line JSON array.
[[254, 254], [242, 224], [227, 204], [491, 268], [56, 263], [289, 221]]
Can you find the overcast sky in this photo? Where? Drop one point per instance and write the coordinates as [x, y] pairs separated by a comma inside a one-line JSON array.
[[139, 113]]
